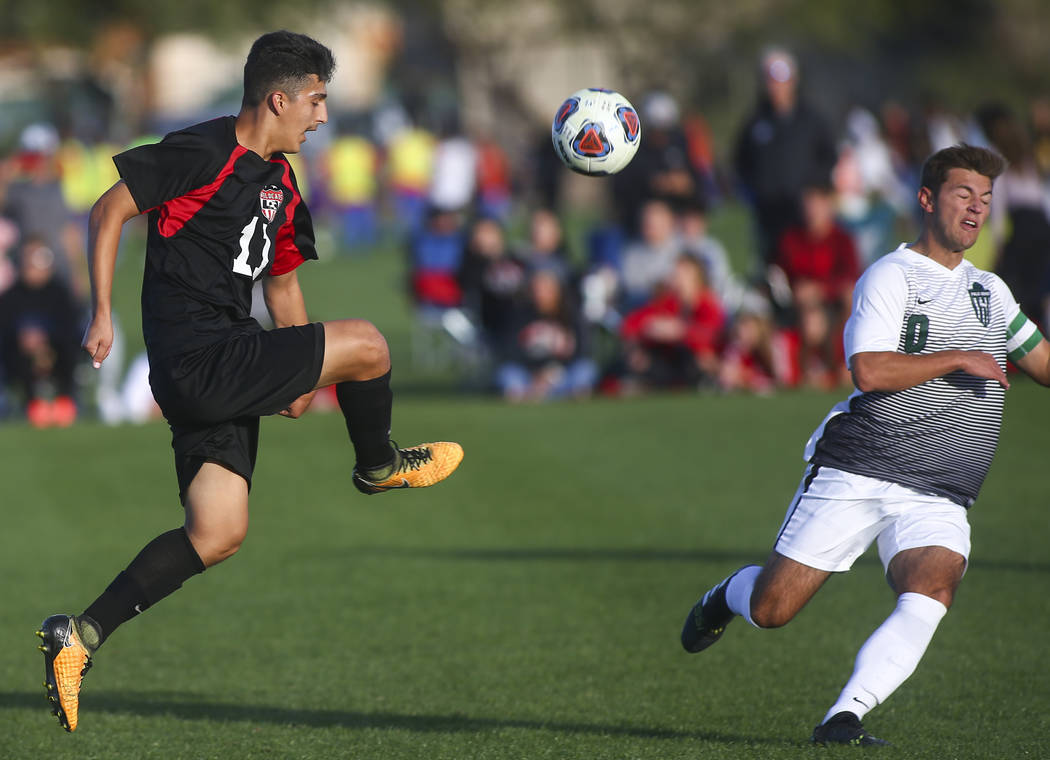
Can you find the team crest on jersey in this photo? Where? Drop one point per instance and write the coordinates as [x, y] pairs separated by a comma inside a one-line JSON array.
[[981, 300], [270, 199]]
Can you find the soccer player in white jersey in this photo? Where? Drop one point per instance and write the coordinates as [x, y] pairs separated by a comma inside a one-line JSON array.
[[902, 459]]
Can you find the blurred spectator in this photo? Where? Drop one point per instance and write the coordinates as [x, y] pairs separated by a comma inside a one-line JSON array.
[[863, 213], [819, 257], [819, 260], [549, 354], [545, 246], [494, 184], [34, 202], [436, 256], [701, 150], [492, 282], [87, 171], [820, 361], [870, 192], [673, 340], [782, 146], [8, 275], [39, 338], [709, 251], [943, 128], [1039, 114], [349, 170], [544, 171], [453, 180], [661, 168], [1019, 212], [908, 146], [410, 158], [648, 261], [8, 240], [758, 357], [874, 160], [133, 401]]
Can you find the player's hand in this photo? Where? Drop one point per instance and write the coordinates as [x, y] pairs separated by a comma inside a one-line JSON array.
[[297, 407], [981, 364], [98, 339]]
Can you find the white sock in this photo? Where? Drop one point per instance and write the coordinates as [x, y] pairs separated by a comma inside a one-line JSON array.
[[890, 655], [738, 592]]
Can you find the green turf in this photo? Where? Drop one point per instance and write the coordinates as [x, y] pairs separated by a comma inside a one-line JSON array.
[[527, 608]]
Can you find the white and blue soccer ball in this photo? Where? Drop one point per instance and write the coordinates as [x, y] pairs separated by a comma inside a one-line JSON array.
[[596, 131]]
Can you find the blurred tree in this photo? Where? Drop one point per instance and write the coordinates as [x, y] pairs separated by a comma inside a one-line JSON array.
[[704, 51], [79, 21]]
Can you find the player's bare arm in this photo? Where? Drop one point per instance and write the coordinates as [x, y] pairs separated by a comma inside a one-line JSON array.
[[108, 215], [284, 300], [891, 371], [287, 307], [1036, 363]]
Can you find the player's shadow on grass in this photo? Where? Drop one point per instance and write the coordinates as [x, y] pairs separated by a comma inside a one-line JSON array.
[[639, 554], [187, 706]]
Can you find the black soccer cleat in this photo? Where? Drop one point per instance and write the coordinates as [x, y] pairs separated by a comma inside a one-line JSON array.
[[845, 728], [66, 660], [707, 621]]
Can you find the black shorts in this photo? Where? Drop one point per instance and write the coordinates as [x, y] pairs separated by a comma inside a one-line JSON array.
[[213, 397]]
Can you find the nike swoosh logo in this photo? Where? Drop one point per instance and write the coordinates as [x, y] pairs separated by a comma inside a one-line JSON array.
[[138, 608], [921, 300], [404, 484]]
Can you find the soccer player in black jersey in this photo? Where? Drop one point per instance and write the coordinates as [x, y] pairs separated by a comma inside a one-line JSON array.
[[224, 211]]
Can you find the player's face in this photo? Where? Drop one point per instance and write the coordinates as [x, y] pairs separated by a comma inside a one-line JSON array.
[[305, 111], [959, 208]]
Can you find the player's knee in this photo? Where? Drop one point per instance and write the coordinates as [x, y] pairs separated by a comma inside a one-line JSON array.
[[372, 347], [226, 550], [363, 345], [218, 545]]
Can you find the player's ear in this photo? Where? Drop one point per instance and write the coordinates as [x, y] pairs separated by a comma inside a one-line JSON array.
[[926, 199], [276, 102]]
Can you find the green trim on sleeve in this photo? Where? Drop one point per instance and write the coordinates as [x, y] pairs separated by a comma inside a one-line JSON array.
[[1016, 325], [1026, 347]]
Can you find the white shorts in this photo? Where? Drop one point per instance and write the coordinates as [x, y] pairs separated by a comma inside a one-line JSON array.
[[836, 515]]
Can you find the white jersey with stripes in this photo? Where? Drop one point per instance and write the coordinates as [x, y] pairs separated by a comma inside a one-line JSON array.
[[939, 436]]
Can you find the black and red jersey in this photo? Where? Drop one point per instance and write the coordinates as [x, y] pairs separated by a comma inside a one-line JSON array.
[[220, 217]]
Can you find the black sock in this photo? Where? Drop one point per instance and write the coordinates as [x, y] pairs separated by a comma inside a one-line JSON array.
[[367, 406], [158, 570]]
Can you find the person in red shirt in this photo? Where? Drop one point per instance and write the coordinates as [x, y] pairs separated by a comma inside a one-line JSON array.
[[819, 259], [673, 340], [758, 356]]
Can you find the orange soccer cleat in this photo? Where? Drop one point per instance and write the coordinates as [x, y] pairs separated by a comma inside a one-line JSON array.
[[66, 660], [415, 467]]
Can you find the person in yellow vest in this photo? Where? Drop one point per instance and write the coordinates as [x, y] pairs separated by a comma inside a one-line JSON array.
[[350, 167], [410, 161], [87, 171]]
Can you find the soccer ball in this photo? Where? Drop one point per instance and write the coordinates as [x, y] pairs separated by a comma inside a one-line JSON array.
[[596, 131]]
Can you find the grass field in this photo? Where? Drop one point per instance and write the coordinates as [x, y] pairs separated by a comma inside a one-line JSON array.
[[527, 608]]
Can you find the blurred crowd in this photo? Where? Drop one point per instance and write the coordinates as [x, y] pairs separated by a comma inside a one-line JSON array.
[[648, 299]]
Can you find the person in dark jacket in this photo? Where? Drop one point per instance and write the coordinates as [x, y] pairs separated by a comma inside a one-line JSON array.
[[784, 145], [39, 338]]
